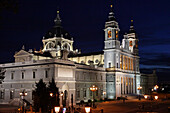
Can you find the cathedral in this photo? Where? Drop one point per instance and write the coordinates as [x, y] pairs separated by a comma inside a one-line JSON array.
[[114, 71]]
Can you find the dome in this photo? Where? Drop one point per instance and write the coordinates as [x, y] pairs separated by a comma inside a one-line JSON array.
[[57, 31]]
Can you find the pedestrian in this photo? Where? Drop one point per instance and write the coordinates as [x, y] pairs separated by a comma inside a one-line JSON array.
[[123, 100], [101, 110]]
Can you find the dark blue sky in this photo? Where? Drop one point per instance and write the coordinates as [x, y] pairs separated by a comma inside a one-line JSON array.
[[85, 20]]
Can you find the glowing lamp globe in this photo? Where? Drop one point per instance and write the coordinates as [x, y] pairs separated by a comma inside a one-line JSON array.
[[57, 109], [145, 96], [87, 109], [156, 97]]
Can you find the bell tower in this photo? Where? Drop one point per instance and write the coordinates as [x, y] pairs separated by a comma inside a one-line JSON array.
[[111, 42], [133, 40]]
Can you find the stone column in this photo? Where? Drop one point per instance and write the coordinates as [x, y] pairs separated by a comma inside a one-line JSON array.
[[130, 85], [122, 86], [125, 85], [127, 80]]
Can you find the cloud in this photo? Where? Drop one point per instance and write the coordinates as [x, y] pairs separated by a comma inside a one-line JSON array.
[[155, 60]]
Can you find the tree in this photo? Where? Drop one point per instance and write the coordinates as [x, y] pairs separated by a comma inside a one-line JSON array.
[[41, 96], [54, 100]]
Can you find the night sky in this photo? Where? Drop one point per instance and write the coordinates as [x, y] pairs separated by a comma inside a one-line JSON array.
[[25, 22]]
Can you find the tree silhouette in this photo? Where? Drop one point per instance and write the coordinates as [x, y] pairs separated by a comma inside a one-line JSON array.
[[54, 100], [41, 96]]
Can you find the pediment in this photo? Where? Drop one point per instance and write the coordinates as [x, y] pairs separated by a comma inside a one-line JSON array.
[[22, 53]]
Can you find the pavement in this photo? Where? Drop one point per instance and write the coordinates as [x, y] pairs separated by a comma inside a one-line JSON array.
[[117, 106], [134, 106], [5, 108]]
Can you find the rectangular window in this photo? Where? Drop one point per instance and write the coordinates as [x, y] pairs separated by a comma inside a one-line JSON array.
[[78, 94], [128, 63], [12, 75], [96, 92], [33, 74], [109, 65], [132, 63], [84, 93], [1, 94], [117, 34], [46, 74], [117, 65], [90, 93], [11, 94], [101, 92], [77, 77], [22, 75], [121, 61], [101, 78]]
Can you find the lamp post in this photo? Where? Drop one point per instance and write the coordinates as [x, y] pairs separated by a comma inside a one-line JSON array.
[[62, 98], [93, 89], [52, 95], [51, 108], [156, 87], [139, 88], [23, 94]]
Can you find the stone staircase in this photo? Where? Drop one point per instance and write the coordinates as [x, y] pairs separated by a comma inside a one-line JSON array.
[[15, 102]]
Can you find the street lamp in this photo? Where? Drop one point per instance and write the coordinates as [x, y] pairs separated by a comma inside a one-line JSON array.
[[139, 88], [156, 87], [93, 89], [145, 96], [23, 94], [57, 109], [156, 97], [51, 94], [87, 109]]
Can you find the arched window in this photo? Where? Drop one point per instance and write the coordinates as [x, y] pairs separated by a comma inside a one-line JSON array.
[[130, 43], [50, 45], [66, 46]]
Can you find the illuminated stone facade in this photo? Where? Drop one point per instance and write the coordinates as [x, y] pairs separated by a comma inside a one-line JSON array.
[[115, 70]]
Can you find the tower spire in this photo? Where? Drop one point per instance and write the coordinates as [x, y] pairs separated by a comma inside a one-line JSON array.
[[132, 30], [57, 19], [111, 16]]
